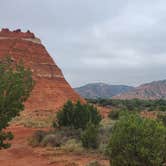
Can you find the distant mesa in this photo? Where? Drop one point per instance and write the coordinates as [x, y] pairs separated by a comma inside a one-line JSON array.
[[51, 90]]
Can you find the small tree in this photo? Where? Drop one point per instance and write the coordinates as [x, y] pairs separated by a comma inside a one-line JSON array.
[[162, 108], [89, 136], [77, 115], [94, 115], [80, 116], [114, 114], [15, 85], [137, 141], [65, 116], [162, 117]]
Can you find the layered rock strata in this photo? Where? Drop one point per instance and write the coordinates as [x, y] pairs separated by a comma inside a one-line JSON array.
[[51, 89]]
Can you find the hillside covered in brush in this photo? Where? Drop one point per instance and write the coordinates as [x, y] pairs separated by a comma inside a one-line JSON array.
[[150, 91], [102, 90]]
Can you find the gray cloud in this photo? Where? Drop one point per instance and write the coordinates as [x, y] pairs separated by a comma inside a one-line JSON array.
[[119, 42]]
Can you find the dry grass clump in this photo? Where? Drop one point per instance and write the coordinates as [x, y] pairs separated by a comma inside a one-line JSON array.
[[73, 145], [70, 139], [36, 138], [71, 164], [94, 163], [34, 122], [55, 138]]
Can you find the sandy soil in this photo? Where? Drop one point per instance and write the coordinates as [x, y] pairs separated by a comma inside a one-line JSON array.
[[21, 154]]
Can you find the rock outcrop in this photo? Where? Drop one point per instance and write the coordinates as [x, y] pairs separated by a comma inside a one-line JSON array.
[[51, 89]]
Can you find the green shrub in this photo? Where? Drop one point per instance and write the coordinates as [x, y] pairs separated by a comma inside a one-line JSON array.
[[89, 136], [162, 117], [77, 115], [162, 108], [137, 141], [94, 163], [65, 116], [132, 104], [71, 164], [16, 83], [114, 115]]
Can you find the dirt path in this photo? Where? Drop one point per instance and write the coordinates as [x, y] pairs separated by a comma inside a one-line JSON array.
[[21, 154]]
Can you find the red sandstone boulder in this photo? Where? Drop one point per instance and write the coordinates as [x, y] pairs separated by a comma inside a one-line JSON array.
[[51, 89]]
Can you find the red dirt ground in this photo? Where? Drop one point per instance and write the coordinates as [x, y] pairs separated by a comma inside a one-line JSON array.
[[21, 154]]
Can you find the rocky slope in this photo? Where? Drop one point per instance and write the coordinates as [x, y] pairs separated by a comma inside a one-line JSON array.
[[51, 90], [153, 90], [102, 90]]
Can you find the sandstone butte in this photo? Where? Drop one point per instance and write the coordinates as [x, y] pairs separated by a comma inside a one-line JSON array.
[[51, 90]]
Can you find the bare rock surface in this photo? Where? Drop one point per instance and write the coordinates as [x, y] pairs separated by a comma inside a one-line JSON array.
[[51, 89]]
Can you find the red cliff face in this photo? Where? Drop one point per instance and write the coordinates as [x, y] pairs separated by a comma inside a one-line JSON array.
[[51, 90]]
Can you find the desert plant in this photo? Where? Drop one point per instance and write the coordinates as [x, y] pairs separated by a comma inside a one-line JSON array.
[[162, 108], [137, 141], [15, 86], [65, 116], [71, 164], [114, 114], [132, 104], [35, 122], [72, 145], [54, 140], [162, 117], [77, 115], [89, 136], [36, 138], [94, 163], [104, 134]]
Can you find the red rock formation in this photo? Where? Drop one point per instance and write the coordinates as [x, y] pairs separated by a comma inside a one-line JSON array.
[[16, 33], [51, 90]]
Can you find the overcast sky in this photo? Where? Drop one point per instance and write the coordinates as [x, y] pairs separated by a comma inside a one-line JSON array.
[[111, 41]]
